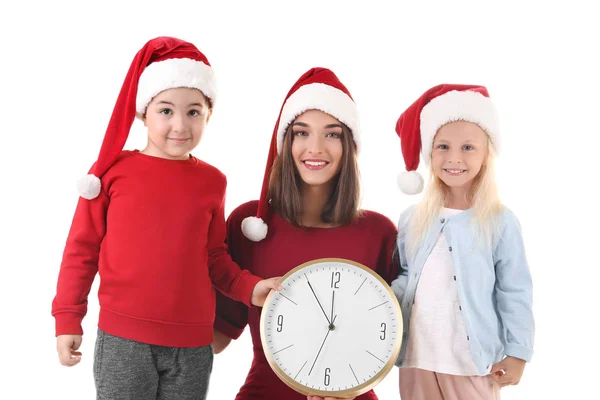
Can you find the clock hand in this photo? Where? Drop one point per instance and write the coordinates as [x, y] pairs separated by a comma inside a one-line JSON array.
[[332, 300], [313, 292], [321, 348]]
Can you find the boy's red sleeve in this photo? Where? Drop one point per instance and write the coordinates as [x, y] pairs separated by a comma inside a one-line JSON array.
[[225, 274], [79, 264], [232, 316]]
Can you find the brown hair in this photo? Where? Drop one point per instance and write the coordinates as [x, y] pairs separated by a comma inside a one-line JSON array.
[[285, 182]]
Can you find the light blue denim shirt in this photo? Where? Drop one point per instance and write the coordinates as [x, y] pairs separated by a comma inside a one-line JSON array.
[[493, 284]]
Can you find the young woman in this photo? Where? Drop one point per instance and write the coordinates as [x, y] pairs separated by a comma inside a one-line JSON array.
[[310, 202]]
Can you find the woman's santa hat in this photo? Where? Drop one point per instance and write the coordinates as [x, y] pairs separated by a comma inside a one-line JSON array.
[[318, 89], [440, 105], [163, 63]]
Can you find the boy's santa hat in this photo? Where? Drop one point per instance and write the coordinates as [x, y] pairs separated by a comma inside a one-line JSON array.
[[440, 105], [163, 63], [318, 89]]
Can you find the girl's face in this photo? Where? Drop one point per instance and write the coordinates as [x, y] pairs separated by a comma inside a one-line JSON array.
[[317, 147], [175, 119], [459, 150]]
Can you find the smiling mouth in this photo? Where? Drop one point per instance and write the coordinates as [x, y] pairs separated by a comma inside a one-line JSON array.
[[179, 140], [455, 172], [315, 165]]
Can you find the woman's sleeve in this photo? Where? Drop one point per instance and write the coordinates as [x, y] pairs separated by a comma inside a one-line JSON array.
[[388, 265]]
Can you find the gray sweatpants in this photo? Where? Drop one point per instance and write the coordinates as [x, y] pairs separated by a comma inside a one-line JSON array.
[[128, 370]]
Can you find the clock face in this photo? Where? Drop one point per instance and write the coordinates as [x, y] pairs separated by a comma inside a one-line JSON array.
[[333, 330]]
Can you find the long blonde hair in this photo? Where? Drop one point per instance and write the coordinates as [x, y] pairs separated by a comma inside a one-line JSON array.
[[483, 197]]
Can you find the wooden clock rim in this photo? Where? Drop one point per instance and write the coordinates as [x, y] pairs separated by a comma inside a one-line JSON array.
[[347, 393]]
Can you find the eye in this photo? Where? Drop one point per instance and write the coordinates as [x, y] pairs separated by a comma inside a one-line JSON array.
[[334, 135], [467, 147], [442, 147], [300, 133], [166, 111], [194, 113]]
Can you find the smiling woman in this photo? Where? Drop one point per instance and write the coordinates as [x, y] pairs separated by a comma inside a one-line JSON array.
[[317, 148], [310, 200]]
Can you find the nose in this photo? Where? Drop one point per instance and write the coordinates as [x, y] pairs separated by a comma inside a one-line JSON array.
[[178, 123], [454, 156], [315, 144]]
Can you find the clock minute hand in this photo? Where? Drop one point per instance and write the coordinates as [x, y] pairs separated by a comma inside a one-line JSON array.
[[313, 292]]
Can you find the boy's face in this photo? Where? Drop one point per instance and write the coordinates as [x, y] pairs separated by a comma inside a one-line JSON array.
[[459, 150], [175, 119]]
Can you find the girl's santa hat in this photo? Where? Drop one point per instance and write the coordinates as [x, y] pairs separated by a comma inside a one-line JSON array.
[[440, 105], [318, 89], [163, 63]]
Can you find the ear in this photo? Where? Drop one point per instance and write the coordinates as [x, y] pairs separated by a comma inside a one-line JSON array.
[[210, 110], [141, 117]]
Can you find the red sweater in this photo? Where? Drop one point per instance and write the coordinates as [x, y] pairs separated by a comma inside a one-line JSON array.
[[156, 236], [370, 241]]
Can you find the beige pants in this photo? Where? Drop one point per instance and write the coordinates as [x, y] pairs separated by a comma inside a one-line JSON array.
[[418, 384]]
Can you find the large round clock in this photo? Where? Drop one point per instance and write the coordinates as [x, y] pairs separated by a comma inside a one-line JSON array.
[[334, 329]]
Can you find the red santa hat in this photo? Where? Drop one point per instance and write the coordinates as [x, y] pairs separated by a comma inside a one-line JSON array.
[[163, 63], [318, 89], [440, 105]]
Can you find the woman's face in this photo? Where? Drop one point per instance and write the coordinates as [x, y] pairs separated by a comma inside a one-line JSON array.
[[317, 147]]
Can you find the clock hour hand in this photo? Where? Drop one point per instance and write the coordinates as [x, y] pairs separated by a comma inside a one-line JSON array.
[[313, 292], [332, 300]]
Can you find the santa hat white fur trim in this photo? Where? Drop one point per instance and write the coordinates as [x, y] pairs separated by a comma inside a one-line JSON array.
[[319, 96], [254, 228], [174, 73], [410, 182], [89, 187], [454, 106]]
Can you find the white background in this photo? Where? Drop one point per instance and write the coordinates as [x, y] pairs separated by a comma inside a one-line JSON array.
[[62, 66]]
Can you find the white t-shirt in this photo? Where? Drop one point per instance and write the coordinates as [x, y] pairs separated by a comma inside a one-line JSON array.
[[437, 339]]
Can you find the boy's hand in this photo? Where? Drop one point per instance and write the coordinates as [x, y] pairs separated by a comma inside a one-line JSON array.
[[67, 346], [262, 290], [508, 371]]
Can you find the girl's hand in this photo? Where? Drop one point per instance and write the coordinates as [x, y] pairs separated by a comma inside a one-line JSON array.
[[262, 290], [66, 345], [508, 371]]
